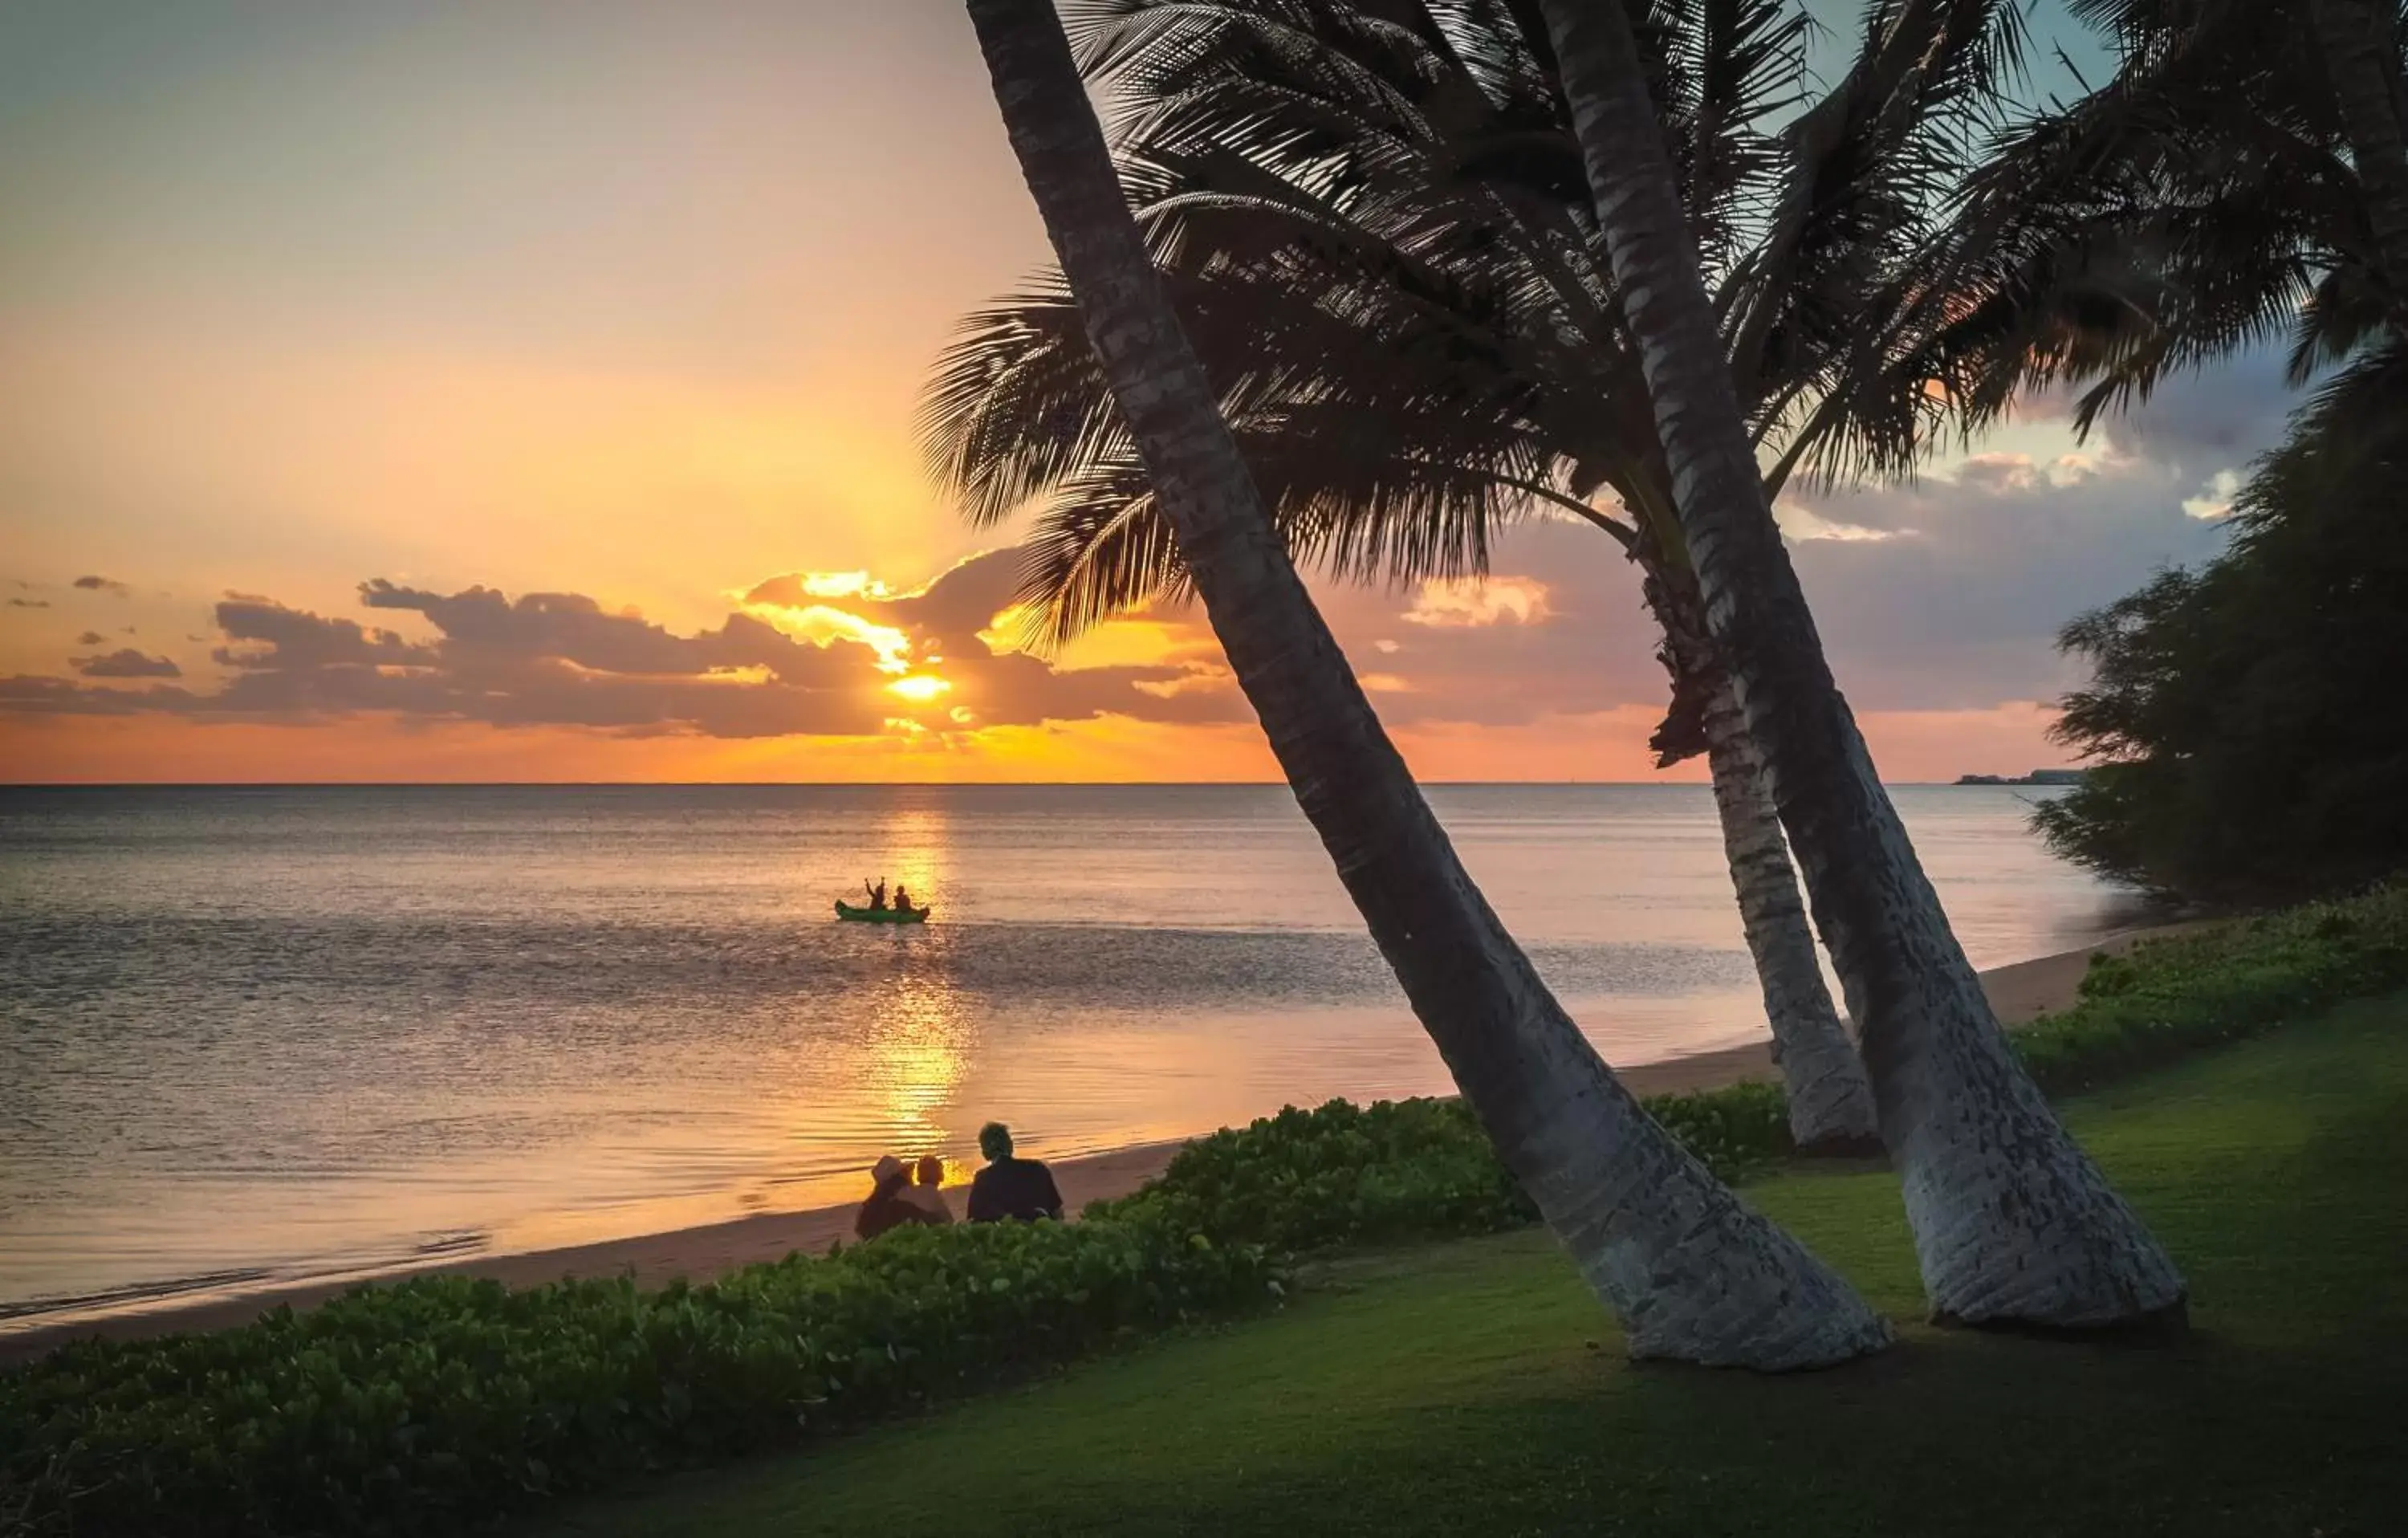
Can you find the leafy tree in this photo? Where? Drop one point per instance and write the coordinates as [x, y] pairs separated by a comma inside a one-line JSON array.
[[2249, 721]]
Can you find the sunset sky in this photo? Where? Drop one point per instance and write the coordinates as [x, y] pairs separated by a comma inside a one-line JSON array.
[[522, 390]]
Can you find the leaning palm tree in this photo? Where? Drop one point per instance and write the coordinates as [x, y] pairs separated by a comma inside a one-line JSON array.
[[1693, 1274], [2013, 1223], [1338, 193]]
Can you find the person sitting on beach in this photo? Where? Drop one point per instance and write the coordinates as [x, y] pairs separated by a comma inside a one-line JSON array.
[[877, 894], [1008, 1188], [923, 1194], [888, 1207]]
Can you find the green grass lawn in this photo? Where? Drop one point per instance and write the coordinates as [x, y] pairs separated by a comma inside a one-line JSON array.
[[1475, 1388]]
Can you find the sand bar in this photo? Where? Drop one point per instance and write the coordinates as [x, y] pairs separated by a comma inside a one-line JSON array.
[[2019, 992]]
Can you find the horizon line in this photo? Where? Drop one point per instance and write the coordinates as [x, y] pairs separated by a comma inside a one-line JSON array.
[[826, 784]]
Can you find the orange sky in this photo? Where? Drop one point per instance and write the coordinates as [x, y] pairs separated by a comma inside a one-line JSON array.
[[628, 319]]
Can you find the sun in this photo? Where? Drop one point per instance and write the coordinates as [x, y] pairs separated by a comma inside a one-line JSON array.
[[920, 688]]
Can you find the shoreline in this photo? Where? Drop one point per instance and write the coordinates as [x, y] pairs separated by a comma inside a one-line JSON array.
[[2019, 991]]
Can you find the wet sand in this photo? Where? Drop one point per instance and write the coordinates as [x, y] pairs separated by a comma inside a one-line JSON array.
[[2019, 992]]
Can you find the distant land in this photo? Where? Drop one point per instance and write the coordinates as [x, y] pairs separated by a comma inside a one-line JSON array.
[[2037, 777]]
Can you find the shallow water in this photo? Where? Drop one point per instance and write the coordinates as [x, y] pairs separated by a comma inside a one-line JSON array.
[[251, 1034]]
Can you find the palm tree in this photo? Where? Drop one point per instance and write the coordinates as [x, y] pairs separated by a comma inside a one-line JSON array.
[[1693, 1274], [2227, 187], [1335, 193], [2013, 1223]]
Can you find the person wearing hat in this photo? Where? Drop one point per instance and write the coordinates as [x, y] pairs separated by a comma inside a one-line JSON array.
[[888, 1206]]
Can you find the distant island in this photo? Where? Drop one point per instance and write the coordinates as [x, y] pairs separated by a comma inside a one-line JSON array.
[[2037, 777]]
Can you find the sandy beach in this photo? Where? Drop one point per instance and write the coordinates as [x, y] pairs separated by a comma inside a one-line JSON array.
[[2019, 992]]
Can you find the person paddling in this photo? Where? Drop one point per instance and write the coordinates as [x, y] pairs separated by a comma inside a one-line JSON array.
[[902, 900]]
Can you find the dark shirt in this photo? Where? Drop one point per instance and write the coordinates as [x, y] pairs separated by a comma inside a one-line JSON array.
[[1014, 1187]]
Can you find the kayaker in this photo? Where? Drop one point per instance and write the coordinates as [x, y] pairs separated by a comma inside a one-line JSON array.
[[902, 900], [877, 894]]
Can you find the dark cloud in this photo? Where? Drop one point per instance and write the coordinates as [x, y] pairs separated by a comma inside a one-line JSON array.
[[126, 663], [102, 584], [2197, 423], [268, 635], [28, 694], [481, 627], [563, 660], [29, 603], [91, 638]]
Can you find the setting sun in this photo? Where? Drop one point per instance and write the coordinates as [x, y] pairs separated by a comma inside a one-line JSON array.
[[919, 688]]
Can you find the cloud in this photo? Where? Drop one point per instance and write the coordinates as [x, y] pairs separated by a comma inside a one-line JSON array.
[[29, 603], [2215, 499], [1465, 604], [91, 638], [1805, 523], [563, 659], [126, 663], [102, 584]]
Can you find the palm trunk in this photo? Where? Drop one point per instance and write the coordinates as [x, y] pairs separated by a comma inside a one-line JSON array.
[[1830, 1098], [2013, 1223], [2363, 64], [1693, 1274]]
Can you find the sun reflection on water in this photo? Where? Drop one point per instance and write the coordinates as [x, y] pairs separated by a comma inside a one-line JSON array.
[[919, 1047]]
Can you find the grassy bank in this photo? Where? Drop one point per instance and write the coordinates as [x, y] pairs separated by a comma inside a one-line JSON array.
[[1474, 1388]]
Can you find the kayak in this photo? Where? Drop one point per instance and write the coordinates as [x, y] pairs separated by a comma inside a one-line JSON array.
[[881, 915]]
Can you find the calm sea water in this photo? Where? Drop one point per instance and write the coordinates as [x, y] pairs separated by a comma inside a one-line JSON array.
[[251, 1034]]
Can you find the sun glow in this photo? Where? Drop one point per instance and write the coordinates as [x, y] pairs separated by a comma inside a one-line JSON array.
[[920, 688]]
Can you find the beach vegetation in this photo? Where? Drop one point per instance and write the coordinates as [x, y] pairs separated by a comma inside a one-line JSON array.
[[2239, 181], [2245, 721], [434, 1405]]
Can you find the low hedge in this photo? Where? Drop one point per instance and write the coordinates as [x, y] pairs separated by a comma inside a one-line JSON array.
[[1401, 1170], [2168, 997], [436, 1404]]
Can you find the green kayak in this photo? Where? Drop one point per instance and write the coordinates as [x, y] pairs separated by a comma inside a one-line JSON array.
[[881, 915]]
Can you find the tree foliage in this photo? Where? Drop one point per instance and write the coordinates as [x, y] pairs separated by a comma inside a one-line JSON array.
[[2249, 720]]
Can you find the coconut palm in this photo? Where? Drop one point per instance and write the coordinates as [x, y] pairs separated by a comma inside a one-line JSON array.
[[1340, 192], [2013, 1223], [1693, 1274], [2227, 187]]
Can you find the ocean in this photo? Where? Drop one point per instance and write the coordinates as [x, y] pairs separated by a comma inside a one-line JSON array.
[[257, 1034]]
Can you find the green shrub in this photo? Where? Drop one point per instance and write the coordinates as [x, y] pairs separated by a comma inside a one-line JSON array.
[[430, 1405], [1401, 1170], [2167, 997], [1305, 1180]]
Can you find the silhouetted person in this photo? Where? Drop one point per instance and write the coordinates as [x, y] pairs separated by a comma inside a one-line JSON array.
[[902, 900], [888, 1206], [877, 892], [929, 1174], [1021, 1189]]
